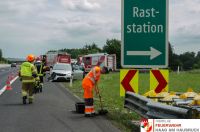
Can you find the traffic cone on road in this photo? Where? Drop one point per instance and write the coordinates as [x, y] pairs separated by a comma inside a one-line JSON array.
[[8, 86]]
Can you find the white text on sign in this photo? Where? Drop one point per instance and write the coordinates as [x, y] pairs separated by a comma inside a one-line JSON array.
[[146, 27]]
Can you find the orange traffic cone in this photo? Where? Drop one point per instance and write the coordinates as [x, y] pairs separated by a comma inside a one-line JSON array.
[[8, 86]]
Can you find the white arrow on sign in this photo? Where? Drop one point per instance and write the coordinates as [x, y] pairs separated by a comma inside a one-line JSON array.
[[153, 53]]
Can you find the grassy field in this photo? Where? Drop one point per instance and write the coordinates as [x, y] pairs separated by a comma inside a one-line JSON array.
[[109, 88]]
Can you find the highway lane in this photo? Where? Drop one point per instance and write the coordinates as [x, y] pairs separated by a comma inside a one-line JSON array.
[[4, 65], [52, 111], [5, 72]]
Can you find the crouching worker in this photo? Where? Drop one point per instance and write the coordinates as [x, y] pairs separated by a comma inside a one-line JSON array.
[[89, 83], [28, 73]]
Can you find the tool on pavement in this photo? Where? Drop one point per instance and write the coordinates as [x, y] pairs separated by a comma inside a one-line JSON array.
[[101, 111]]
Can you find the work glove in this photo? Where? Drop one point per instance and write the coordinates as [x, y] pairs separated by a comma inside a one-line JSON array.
[[34, 75]]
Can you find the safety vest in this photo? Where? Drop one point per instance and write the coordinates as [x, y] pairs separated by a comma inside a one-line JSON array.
[[41, 69], [26, 72], [40, 72]]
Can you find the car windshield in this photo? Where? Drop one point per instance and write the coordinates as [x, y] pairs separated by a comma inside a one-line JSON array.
[[62, 67]]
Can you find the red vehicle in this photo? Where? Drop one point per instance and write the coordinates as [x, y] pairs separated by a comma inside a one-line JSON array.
[[53, 57], [63, 58], [105, 61]]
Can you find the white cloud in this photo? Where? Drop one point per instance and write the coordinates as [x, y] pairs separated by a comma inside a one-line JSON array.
[[23, 7], [39, 25], [82, 5], [184, 25], [36, 26]]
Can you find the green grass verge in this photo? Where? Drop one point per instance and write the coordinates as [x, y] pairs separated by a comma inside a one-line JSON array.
[[109, 88]]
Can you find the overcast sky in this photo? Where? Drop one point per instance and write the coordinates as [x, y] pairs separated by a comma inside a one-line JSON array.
[[36, 26]]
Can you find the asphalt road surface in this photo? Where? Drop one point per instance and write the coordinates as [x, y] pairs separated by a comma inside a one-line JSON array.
[[5, 72], [52, 111]]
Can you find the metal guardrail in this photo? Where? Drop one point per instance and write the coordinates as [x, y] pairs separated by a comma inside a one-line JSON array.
[[161, 111], [136, 103], [150, 109]]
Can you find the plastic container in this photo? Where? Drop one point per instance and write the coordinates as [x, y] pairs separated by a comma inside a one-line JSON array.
[[80, 107]]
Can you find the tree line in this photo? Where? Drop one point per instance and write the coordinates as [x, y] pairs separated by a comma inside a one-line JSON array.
[[185, 61], [2, 60]]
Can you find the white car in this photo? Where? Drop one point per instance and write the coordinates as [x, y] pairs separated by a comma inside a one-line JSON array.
[[62, 71]]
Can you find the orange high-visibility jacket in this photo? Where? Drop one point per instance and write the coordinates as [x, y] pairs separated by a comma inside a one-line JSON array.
[[89, 82]]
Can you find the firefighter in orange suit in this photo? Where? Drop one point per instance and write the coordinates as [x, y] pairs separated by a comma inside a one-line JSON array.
[[89, 83]]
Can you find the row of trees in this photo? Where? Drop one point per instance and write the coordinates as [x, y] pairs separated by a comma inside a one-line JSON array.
[[2, 60], [1, 54], [185, 61]]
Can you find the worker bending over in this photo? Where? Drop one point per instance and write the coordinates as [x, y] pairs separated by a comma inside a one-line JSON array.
[[89, 83]]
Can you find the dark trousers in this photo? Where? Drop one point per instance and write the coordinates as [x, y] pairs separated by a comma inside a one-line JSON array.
[[89, 106]]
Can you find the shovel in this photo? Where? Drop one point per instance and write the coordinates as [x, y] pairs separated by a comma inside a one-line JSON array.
[[101, 111]]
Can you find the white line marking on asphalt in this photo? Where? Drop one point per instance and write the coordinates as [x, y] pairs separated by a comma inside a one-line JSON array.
[[11, 82]]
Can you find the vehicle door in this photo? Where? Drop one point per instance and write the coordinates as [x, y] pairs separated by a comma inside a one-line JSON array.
[[77, 73]]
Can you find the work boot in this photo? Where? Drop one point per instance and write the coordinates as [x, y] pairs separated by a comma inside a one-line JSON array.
[[37, 90], [30, 101], [24, 99], [40, 90], [94, 114]]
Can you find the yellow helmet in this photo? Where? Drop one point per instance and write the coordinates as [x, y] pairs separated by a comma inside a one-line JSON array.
[[97, 69]]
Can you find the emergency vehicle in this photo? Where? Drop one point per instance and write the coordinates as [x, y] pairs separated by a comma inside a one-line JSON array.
[[106, 61], [53, 57]]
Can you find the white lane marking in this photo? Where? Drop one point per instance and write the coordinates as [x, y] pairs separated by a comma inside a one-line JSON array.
[[11, 82]]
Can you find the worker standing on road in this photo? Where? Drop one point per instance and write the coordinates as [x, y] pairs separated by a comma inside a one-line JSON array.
[[28, 73], [89, 82], [41, 72]]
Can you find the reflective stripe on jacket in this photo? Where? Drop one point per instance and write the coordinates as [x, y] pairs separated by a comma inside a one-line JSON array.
[[40, 69]]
